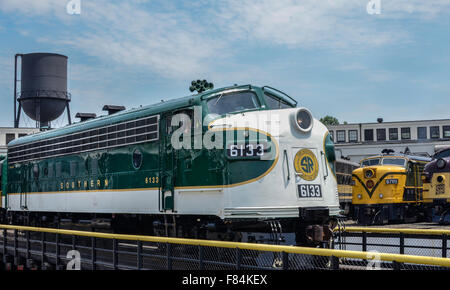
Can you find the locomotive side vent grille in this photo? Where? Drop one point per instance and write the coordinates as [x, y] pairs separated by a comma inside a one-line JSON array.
[[111, 136]]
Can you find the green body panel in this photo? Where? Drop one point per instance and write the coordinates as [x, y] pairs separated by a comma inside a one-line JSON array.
[[114, 170], [163, 168]]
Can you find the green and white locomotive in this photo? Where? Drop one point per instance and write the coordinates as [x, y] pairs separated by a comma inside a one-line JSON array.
[[230, 163]]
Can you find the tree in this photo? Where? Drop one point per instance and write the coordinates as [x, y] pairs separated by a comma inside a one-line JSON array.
[[329, 120]]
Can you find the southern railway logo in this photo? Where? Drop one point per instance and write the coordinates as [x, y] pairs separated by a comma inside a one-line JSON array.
[[306, 165]]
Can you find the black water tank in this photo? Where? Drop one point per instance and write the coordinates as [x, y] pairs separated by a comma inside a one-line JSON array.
[[43, 93]]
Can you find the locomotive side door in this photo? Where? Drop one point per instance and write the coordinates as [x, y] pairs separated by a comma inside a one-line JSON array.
[[171, 156], [412, 190], [166, 165], [25, 174]]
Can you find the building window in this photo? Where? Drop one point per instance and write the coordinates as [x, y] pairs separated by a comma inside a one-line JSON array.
[[340, 136], [446, 131], [22, 135], [352, 136], [10, 137], [368, 135], [421, 132], [393, 134], [434, 132], [406, 133], [381, 134]]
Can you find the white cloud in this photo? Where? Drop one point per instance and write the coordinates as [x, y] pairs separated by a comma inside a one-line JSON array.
[[32, 6], [168, 43], [428, 9], [180, 41], [306, 24]]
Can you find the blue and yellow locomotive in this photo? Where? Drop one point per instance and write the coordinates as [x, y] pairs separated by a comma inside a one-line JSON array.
[[388, 189]]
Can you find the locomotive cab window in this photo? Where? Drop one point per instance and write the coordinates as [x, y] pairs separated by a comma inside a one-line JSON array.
[[274, 103], [371, 162], [233, 103]]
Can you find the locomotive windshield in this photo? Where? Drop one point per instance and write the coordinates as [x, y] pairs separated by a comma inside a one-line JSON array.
[[384, 161], [442, 154], [394, 161], [371, 162], [233, 102]]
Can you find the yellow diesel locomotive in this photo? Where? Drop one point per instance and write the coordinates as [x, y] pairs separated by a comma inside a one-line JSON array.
[[388, 189], [436, 186]]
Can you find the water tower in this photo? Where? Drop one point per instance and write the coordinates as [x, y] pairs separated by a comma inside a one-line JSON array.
[[43, 88]]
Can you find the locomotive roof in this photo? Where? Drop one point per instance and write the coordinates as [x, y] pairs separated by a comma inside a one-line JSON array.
[[121, 116], [409, 157]]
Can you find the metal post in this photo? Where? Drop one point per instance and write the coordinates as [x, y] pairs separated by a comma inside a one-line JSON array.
[[364, 242], [68, 113], [402, 243], [42, 249], [93, 253], [4, 245], [169, 256], [396, 265], [18, 114], [139, 255], [73, 242], [114, 254], [285, 258], [28, 244], [16, 254], [238, 258], [57, 251], [444, 246], [16, 121], [334, 263], [201, 257]]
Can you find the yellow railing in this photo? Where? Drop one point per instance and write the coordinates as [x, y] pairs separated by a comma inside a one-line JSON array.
[[444, 262], [395, 231]]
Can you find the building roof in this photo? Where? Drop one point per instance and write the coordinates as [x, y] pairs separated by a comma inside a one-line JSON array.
[[392, 122]]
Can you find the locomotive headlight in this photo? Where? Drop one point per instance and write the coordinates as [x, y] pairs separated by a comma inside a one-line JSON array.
[[381, 195], [440, 179], [303, 119], [359, 196], [441, 163], [369, 173]]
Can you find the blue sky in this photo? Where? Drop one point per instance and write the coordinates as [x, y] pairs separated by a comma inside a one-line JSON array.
[[330, 55]]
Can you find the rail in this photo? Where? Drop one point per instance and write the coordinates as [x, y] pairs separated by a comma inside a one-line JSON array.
[[45, 246], [423, 242]]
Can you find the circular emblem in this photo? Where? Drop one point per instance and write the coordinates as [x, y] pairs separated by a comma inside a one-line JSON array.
[[305, 164]]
